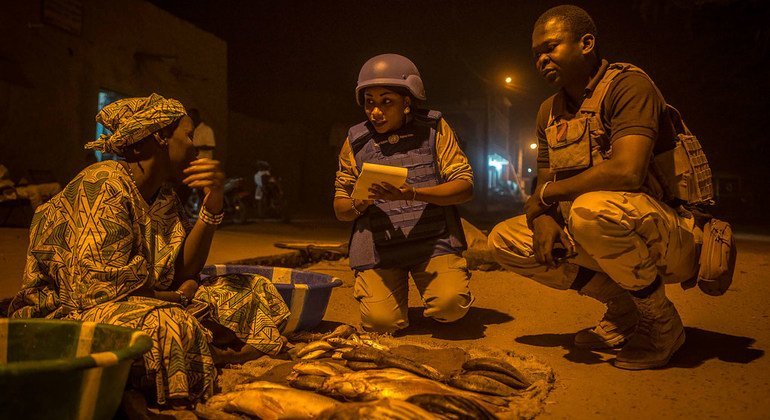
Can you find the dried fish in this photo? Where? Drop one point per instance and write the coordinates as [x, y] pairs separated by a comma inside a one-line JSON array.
[[452, 406], [374, 344], [314, 346], [368, 385], [384, 409], [320, 368], [341, 342], [411, 366], [501, 377], [495, 365], [482, 384], [362, 365], [314, 354], [386, 360], [307, 382], [260, 385], [272, 403], [364, 354], [342, 331]]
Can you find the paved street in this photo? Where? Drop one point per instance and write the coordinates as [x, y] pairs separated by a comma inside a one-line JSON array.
[[721, 372]]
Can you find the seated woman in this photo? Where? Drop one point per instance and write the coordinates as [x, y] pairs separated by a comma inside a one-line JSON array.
[[405, 229], [115, 247]]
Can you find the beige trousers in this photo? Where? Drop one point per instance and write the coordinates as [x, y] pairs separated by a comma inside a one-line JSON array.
[[631, 237], [441, 281]]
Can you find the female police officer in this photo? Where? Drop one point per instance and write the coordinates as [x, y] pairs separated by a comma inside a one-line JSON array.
[[412, 228]]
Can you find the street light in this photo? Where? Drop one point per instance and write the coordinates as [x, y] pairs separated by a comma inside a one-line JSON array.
[[533, 146], [508, 80]]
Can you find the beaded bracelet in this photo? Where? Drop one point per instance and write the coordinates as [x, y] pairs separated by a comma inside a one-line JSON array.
[[414, 196], [353, 206], [209, 218]]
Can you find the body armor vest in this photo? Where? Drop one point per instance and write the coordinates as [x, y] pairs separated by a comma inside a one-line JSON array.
[[679, 171], [393, 232]]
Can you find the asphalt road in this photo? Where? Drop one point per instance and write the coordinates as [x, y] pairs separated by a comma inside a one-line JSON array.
[[721, 372]]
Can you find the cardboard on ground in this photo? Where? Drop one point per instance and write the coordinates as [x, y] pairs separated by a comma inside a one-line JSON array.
[[373, 173]]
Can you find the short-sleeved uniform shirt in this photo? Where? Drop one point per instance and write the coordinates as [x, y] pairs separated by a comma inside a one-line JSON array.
[[632, 106]]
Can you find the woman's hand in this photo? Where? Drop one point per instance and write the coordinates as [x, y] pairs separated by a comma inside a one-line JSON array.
[[208, 175], [388, 192], [189, 288]]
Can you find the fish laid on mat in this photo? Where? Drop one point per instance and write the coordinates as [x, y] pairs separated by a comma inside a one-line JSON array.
[[314, 347], [384, 409], [320, 368], [342, 331], [495, 365], [272, 403], [469, 381], [389, 360], [452, 406], [369, 385]]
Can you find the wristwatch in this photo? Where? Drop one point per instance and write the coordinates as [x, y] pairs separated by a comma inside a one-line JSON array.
[[183, 299]]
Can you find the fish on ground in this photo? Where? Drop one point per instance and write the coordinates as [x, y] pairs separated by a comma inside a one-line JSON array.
[[384, 409], [272, 403]]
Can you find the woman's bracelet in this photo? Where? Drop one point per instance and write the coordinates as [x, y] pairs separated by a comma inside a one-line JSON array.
[[209, 218], [542, 191], [353, 206], [414, 196]]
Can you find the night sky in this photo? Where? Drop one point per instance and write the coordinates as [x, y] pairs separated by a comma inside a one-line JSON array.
[[298, 60]]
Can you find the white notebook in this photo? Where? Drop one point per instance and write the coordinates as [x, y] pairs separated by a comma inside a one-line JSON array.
[[372, 173]]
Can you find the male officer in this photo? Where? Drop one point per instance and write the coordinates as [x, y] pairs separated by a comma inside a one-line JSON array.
[[597, 222]]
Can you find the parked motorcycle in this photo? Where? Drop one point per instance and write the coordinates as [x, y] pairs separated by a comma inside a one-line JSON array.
[[234, 205]]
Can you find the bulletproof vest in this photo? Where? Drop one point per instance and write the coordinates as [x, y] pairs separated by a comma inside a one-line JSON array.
[[387, 225], [679, 170]]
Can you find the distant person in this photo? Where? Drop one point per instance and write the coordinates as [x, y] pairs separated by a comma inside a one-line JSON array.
[[598, 221], [261, 179], [411, 229], [203, 136], [114, 247]]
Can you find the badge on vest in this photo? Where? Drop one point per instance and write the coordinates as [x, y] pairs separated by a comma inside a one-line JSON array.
[[395, 138]]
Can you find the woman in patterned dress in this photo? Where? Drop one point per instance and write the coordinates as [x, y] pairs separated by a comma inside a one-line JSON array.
[[115, 247]]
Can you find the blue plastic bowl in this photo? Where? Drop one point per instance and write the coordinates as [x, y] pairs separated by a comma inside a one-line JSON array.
[[52, 369], [305, 293]]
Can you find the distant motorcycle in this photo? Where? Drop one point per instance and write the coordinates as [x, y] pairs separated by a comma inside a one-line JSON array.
[[234, 204]]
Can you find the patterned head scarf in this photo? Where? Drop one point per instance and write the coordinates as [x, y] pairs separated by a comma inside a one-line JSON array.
[[133, 119]]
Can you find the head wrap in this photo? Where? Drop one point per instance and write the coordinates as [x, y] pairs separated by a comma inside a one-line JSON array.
[[133, 119]]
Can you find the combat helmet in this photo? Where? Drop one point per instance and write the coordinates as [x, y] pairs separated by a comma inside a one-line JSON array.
[[390, 70]]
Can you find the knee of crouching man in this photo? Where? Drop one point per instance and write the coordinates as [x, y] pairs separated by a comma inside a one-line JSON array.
[[591, 213], [504, 236]]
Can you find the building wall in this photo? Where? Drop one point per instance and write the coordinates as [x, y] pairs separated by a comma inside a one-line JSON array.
[[50, 78]]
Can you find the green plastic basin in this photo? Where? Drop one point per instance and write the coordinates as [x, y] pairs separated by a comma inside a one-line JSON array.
[[65, 369]]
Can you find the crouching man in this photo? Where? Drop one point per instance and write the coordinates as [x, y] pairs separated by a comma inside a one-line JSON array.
[[597, 222]]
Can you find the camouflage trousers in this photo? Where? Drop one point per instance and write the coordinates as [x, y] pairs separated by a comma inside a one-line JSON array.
[[631, 237]]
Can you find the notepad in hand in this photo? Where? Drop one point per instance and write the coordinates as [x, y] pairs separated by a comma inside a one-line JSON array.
[[372, 173]]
